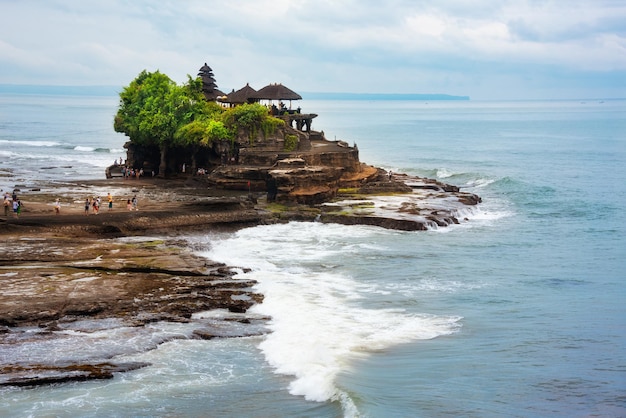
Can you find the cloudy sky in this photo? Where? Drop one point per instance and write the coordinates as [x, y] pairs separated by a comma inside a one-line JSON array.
[[487, 49]]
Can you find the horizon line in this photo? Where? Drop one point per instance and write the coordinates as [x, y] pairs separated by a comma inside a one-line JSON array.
[[112, 90]]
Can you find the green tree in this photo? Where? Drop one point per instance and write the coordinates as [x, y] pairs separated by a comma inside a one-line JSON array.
[[201, 133], [153, 111], [156, 112]]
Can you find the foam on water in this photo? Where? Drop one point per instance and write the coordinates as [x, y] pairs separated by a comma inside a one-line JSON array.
[[84, 149], [6, 142], [443, 173], [95, 340], [319, 322]]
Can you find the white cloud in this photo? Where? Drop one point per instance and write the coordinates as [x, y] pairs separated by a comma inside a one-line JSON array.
[[428, 25], [449, 46]]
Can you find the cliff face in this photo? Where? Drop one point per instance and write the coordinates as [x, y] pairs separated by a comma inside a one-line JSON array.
[[290, 164], [311, 176]]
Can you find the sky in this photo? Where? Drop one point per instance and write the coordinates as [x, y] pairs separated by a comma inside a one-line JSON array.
[[485, 49]]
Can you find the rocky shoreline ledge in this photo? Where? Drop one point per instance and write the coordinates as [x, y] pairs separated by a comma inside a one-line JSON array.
[[71, 276]]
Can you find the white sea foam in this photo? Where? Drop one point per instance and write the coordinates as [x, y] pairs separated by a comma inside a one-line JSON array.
[[92, 340], [479, 183], [7, 154], [443, 173], [320, 318], [30, 143]]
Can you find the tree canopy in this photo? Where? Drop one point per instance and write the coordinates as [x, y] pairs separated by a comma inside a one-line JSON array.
[[155, 111]]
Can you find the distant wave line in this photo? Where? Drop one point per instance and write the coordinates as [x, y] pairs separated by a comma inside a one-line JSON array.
[[54, 144], [29, 143], [93, 149], [55, 136]]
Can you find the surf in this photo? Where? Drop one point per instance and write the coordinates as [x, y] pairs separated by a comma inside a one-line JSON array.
[[321, 319]]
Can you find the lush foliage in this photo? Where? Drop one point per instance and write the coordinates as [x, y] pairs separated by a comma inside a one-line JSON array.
[[251, 118], [291, 142], [154, 111]]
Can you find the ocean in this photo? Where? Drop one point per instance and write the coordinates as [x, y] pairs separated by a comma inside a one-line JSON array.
[[518, 311]]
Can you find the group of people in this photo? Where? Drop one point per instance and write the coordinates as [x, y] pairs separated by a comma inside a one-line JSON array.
[[128, 172], [11, 202], [95, 202], [132, 173], [131, 204]]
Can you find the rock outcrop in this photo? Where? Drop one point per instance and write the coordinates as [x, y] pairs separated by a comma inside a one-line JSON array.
[[81, 286]]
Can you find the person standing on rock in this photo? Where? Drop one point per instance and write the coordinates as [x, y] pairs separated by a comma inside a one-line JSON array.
[[96, 206], [6, 204], [17, 208]]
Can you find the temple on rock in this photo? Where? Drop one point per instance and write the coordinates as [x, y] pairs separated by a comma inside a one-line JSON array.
[[296, 162]]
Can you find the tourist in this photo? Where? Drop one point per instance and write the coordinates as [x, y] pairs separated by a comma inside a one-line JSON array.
[[129, 205], [17, 208], [95, 206], [87, 205], [57, 207], [7, 203], [134, 202], [110, 198]]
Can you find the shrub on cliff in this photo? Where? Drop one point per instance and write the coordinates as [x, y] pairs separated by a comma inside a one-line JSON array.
[[291, 142], [249, 119]]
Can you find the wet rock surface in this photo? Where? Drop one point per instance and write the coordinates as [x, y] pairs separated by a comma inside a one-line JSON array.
[[66, 289], [402, 202]]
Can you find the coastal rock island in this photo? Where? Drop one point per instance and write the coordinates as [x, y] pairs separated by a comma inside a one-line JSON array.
[[68, 276]]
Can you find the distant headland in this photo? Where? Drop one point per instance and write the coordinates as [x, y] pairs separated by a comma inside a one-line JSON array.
[[380, 96]]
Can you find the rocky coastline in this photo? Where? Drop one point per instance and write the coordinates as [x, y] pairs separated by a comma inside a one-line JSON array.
[[79, 273]]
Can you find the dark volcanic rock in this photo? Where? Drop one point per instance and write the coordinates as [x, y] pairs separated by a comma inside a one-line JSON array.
[[383, 222], [44, 374]]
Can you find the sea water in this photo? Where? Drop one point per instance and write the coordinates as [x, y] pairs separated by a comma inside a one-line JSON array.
[[49, 137], [519, 311]]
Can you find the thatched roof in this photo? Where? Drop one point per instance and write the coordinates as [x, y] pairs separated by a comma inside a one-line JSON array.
[[277, 92], [213, 94], [205, 69], [243, 95]]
